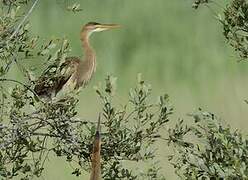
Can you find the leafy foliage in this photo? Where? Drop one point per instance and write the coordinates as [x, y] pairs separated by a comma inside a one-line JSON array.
[[197, 3], [19, 43], [235, 26], [36, 128], [208, 150], [130, 134], [234, 20]]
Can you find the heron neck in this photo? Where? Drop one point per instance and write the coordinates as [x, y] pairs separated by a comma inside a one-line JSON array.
[[89, 52]]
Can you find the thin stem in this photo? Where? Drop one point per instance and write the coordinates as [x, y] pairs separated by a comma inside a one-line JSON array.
[[24, 19]]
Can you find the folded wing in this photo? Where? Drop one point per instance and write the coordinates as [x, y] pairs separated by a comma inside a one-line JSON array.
[[54, 78]]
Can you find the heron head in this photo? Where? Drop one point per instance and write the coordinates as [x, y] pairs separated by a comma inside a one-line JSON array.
[[97, 27]]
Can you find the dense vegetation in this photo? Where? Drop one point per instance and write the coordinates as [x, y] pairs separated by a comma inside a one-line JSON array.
[[31, 129]]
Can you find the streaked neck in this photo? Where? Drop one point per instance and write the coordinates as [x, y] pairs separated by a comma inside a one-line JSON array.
[[87, 49]]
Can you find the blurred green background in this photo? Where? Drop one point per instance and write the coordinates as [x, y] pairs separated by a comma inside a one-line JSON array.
[[179, 51]]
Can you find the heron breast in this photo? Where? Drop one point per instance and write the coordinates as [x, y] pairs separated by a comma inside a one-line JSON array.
[[84, 74]]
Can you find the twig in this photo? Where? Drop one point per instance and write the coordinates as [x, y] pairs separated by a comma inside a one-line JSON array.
[[45, 134], [24, 19], [46, 157], [43, 147], [24, 85]]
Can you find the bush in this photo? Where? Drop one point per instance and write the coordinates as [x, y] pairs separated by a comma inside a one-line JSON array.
[[234, 19], [208, 150]]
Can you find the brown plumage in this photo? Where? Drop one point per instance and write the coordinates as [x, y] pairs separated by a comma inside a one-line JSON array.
[[73, 73], [96, 155]]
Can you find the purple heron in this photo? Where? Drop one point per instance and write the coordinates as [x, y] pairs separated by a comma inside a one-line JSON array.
[[73, 73], [96, 155]]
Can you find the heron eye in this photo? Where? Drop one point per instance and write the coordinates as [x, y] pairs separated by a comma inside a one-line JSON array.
[[93, 23]]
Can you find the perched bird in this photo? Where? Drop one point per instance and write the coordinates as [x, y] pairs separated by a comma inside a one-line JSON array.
[[73, 73], [96, 155]]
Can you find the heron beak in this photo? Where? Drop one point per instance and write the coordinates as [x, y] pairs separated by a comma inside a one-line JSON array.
[[103, 27]]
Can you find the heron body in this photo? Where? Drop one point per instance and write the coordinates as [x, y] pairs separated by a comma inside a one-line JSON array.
[[73, 73]]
